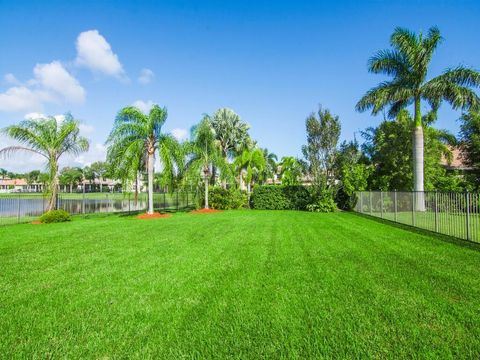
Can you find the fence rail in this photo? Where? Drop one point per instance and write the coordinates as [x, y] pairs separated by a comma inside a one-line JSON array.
[[25, 207], [453, 214]]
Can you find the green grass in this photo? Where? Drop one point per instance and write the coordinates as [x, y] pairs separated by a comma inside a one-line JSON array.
[[245, 284]]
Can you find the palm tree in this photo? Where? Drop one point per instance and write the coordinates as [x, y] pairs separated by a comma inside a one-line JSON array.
[[250, 163], [49, 139], [291, 171], [270, 168], [3, 173], [137, 137], [204, 153], [408, 64]]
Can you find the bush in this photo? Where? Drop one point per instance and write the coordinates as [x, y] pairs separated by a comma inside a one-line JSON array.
[[324, 202], [226, 199], [55, 216], [278, 197]]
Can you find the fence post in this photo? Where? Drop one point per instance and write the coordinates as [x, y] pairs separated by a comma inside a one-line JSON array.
[[83, 199], [361, 202], [129, 203], [467, 218], [187, 199], [18, 209], [413, 207], [177, 199], [436, 211], [370, 202], [164, 200], [381, 204], [395, 204]]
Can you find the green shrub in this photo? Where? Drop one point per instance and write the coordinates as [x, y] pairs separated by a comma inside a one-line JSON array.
[[278, 197], [226, 199], [55, 216], [323, 203]]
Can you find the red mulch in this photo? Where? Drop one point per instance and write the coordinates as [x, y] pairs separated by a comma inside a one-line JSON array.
[[36, 222], [153, 216], [205, 211]]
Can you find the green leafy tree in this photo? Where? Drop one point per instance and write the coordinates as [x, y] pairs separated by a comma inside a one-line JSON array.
[[291, 171], [32, 177], [323, 132], [71, 176], [250, 163], [49, 139], [389, 146], [135, 137], [407, 63], [204, 154], [470, 145], [3, 173], [100, 170], [270, 169]]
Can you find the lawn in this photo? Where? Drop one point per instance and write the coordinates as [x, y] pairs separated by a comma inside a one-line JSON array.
[[242, 284]]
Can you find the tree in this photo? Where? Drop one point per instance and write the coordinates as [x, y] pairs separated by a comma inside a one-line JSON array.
[[270, 169], [136, 135], [49, 139], [3, 173], [250, 163], [32, 176], [100, 171], [352, 171], [231, 134], [407, 63], [204, 153], [323, 132], [291, 171], [389, 146], [71, 176], [470, 144]]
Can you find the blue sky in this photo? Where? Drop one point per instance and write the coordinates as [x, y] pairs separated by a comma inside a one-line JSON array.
[[273, 62]]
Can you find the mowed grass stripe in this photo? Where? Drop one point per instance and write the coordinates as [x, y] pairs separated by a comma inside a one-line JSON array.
[[243, 284]]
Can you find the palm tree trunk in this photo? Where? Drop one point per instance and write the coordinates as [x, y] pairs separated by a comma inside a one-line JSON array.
[[418, 149], [150, 183], [206, 191], [52, 203]]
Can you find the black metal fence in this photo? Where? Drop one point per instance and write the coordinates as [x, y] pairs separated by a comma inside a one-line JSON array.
[[453, 214], [26, 207]]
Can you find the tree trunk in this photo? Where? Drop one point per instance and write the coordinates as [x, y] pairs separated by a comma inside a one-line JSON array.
[[71, 188], [418, 148], [52, 203], [206, 192], [150, 183]]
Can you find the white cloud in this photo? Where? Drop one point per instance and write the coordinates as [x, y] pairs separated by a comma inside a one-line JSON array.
[[95, 53], [146, 76], [97, 152], [11, 79], [21, 161], [144, 106], [86, 129], [54, 77], [35, 116], [52, 83], [21, 98], [180, 134]]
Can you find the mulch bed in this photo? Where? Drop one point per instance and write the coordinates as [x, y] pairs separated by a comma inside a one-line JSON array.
[[205, 211], [153, 216], [36, 222]]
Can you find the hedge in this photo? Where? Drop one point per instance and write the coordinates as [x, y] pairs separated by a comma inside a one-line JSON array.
[[280, 197]]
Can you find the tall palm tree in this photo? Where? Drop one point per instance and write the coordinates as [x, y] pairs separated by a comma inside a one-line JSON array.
[[250, 163], [135, 139], [204, 153], [407, 63], [49, 139]]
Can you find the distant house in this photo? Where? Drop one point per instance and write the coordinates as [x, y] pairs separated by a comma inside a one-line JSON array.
[[19, 185], [457, 163]]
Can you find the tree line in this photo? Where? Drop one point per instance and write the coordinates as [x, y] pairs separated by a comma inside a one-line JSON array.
[[404, 152]]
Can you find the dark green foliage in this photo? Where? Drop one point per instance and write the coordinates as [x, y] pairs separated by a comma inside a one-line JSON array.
[[55, 216], [280, 197], [470, 142], [227, 199]]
